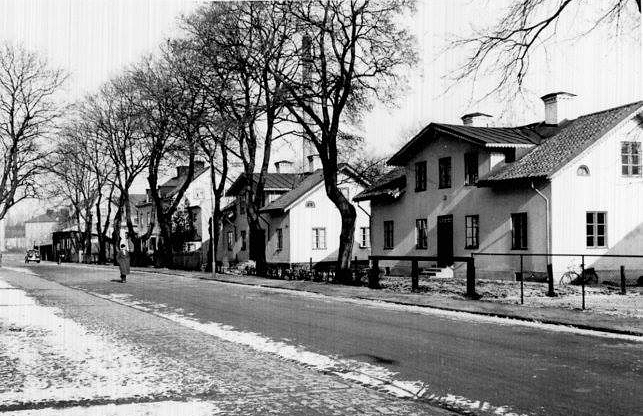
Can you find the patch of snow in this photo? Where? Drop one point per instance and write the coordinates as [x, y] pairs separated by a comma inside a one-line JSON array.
[[55, 358], [166, 408], [363, 373]]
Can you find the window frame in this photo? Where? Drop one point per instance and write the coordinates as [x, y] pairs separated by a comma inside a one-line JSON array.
[[470, 178], [594, 233], [280, 239], [445, 173], [523, 229], [244, 242], [421, 234], [472, 240], [316, 238], [627, 159], [365, 237], [230, 240], [389, 228], [421, 176]]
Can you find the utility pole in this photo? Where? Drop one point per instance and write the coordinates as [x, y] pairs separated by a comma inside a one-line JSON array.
[[212, 222]]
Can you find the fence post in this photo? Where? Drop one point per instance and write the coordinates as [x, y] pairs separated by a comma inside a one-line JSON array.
[[623, 291], [471, 279], [550, 280], [582, 281], [374, 275], [415, 275], [522, 279]]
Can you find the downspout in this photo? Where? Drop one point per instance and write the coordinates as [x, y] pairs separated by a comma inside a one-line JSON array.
[[547, 220]]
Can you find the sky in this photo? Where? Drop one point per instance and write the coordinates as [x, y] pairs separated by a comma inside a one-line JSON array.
[[95, 39]]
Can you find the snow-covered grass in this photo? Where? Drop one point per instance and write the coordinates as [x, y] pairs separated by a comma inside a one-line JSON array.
[[600, 298], [53, 358]]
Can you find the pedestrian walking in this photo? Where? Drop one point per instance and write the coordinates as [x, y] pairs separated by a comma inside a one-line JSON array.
[[122, 258]]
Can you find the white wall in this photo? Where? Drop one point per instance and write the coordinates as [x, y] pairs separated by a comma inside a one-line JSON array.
[[493, 206], [606, 189], [324, 215]]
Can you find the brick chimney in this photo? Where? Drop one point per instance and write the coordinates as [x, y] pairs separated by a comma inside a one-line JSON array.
[[476, 119], [559, 106]]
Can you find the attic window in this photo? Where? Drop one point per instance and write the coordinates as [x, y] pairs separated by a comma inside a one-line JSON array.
[[582, 170], [310, 204]]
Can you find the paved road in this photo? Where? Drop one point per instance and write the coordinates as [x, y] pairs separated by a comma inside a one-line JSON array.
[[517, 368]]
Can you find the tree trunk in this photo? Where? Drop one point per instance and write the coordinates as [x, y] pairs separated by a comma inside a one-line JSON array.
[[88, 233], [165, 248], [116, 230]]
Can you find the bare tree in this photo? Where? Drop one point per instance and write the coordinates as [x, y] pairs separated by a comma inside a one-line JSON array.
[[347, 53], [503, 51], [242, 49], [28, 88], [115, 121]]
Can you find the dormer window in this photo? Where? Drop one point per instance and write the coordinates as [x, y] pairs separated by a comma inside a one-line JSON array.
[[582, 170]]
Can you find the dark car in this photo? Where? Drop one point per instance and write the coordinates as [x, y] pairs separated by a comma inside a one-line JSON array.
[[32, 255]]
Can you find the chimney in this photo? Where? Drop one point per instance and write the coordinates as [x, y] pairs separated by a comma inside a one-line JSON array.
[[559, 106], [476, 119], [284, 166]]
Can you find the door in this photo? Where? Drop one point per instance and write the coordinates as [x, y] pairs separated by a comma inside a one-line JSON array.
[[445, 240]]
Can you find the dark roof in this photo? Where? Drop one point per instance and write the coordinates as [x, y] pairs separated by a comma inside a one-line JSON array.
[[307, 183], [46, 217], [387, 186], [272, 181], [528, 135], [574, 137]]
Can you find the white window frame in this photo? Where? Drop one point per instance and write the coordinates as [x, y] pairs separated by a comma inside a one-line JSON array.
[[631, 158], [365, 236], [280, 239], [319, 238], [591, 229]]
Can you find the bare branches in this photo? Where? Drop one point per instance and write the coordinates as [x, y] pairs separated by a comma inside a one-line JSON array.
[[27, 114], [502, 52]]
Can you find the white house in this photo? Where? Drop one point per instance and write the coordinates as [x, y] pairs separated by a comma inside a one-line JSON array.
[[197, 200], [564, 185], [301, 223]]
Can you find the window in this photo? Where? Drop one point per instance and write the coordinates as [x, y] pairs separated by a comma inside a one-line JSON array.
[[230, 240], [596, 229], [243, 240], [421, 239], [280, 239], [631, 158], [471, 231], [444, 171], [582, 170], [310, 204], [198, 194], [319, 239], [420, 176], [519, 231], [365, 237], [345, 192], [388, 234], [470, 168]]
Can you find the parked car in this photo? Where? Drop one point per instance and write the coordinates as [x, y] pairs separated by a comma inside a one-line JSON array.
[[32, 255]]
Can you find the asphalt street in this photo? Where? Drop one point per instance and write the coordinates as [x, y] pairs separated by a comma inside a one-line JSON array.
[[514, 368]]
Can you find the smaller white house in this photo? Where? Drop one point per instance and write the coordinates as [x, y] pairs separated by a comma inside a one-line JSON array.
[[301, 223]]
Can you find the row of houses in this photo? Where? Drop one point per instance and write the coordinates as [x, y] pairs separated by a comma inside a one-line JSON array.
[[566, 184]]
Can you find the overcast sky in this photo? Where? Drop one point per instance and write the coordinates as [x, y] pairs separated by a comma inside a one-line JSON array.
[[95, 39]]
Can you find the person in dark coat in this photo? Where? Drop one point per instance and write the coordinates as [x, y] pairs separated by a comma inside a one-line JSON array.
[[122, 258]]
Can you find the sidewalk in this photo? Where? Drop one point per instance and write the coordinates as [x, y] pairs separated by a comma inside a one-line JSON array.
[[558, 316]]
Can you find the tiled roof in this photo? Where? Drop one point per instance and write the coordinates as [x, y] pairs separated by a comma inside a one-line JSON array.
[[307, 183], [574, 137], [274, 181], [386, 186], [528, 135]]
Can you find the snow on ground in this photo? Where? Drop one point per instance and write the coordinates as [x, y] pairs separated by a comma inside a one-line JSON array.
[[602, 299], [363, 373], [45, 357], [165, 408]]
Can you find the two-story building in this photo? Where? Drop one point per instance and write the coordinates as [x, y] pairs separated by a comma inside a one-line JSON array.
[[564, 185], [301, 223]]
